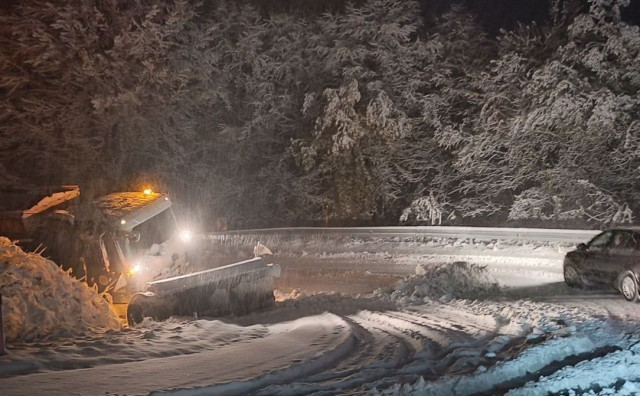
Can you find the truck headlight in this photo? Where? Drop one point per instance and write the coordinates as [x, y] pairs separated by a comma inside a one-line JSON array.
[[135, 269], [186, 235]]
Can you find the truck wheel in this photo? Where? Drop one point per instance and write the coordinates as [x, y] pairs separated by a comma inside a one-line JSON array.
[[134, 314], [239, 303], [629, 288], [268, 300], [147, 304]]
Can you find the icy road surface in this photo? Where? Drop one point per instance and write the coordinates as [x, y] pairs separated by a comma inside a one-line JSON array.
[[538, 337]]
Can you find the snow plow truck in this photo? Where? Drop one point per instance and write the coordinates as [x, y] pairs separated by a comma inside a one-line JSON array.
[[130, 247]]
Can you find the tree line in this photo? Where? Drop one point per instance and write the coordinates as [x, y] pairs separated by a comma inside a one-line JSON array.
[[377, 111]]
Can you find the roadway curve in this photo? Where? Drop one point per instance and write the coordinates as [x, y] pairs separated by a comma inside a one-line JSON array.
[[326, 337]]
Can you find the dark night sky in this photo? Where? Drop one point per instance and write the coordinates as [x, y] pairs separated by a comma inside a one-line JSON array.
[[497, 14], [631, 14], [493, 14]]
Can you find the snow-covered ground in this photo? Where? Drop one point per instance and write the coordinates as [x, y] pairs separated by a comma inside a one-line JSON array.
[[447, 329]]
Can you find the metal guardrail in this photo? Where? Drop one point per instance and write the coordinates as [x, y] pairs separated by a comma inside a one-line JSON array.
[[528, 234]]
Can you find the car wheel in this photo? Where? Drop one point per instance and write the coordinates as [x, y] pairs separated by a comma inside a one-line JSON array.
[[571, 277], [629, 288]]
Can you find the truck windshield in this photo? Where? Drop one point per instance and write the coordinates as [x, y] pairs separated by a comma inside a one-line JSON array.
[[156, 230]]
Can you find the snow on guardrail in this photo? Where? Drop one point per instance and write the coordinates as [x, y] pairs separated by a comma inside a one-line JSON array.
[[529, 234]]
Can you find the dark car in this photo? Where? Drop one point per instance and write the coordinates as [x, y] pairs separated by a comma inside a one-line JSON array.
[[611, 260]]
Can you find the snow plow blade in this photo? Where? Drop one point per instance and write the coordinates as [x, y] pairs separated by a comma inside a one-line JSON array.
[[236, 289]]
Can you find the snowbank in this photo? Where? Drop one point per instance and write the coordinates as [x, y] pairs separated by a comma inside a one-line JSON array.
[[40, 300], [616, 371], [459, 280]]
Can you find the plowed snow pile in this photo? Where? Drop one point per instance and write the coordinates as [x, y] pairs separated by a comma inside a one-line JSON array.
[[40, 300], [459, 280]]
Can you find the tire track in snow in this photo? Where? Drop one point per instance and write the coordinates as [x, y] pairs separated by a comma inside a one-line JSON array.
[[290, 350], [522, 385], [606, 368], [553, 365], [379, 351], [396, 344]]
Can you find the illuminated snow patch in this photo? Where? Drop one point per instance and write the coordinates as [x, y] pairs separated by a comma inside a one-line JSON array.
[[40, 300]]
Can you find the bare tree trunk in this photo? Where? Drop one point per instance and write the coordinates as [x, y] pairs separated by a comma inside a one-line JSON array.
[[3, 350]]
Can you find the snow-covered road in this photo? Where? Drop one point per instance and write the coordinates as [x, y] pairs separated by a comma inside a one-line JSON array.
[[323, 337], [329, 334], [460, 347]]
